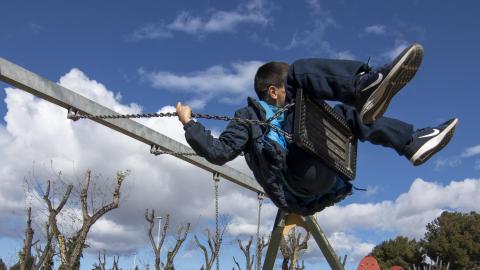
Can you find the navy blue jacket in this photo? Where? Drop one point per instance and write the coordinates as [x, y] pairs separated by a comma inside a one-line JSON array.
[[265, 158]]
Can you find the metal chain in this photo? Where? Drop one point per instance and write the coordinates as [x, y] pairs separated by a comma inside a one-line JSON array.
[[157, 151], [75, 116], [173, 153], [259, 248], [281, 110], [216, 179]]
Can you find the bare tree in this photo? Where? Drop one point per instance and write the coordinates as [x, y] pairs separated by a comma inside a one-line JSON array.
[[180, 238], [71, 248], [249, 258], [26, 260], [291, 248], [261, 245], [2, 265], [45, 256], [101, 263], [156, 247], [214, 242], [52, 216], [115, 263], [438, 264]]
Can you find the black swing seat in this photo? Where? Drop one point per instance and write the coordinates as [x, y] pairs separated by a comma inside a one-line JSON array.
[[318, 129]]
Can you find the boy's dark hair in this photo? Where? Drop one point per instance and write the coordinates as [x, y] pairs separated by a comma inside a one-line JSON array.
[[271, 73]]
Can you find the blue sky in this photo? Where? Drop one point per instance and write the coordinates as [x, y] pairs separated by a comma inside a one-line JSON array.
[[155, 53]]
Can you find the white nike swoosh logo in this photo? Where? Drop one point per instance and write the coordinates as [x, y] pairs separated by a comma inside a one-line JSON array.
[[377, 81], [434, 133]]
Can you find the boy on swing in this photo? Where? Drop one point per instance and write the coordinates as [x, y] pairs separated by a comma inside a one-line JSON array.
[[292, 178]]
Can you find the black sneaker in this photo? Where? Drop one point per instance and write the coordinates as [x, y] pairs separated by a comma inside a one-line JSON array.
[[376, 88], [428, 141]]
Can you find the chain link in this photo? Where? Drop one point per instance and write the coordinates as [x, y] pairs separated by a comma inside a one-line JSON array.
[[280, 111], [216, 179], [75, 116], [173, 153], [259, 243]]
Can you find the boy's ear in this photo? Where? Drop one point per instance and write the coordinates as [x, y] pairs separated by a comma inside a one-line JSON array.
[[272, 93]]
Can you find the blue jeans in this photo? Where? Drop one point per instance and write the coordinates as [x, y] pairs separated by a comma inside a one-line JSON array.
[[333, 80]]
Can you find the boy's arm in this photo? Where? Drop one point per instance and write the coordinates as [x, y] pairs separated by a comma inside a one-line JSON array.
[[229, 145]]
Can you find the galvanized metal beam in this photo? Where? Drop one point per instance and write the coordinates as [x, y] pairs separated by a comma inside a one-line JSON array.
[[275, 239], [65, 98], [322, 242]]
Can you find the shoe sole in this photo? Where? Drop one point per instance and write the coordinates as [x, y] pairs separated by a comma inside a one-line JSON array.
[[401, 73], [434, 145]]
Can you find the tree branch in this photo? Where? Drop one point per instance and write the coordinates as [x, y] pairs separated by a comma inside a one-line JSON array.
[[115, 198], [46, 255], [181, 236], [27, 242], [84, 194], [150, 224], [214, 243], [205, 252], [246, 252], [65, 197], [236, 263], [52, 218], [81, 235], [163, 235]]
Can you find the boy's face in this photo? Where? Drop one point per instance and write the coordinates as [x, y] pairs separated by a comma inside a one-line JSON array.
[[276, 95]]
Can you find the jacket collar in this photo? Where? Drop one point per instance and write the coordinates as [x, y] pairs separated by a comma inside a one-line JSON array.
[[255, 105]]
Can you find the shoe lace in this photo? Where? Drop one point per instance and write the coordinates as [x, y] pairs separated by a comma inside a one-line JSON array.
[[368, 64], [420, 130]]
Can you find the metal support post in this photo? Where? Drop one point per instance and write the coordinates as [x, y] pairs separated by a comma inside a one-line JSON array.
[[284, 222], [323, 243], [275, 238]]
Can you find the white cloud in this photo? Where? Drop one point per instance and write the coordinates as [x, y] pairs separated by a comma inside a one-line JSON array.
[[313, 36], [197, 103], [409, 213], [471, 151], [224, 84], [347, 55], [151, 31], [452, 162], [376, 29], [399, 46], [371, 191], [218, 21], [244, 222], [349, 244], [105, 235], [36, 28], [456, 160]]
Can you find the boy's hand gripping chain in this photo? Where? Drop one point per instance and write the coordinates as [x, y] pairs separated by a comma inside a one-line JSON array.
[[75, 115]]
